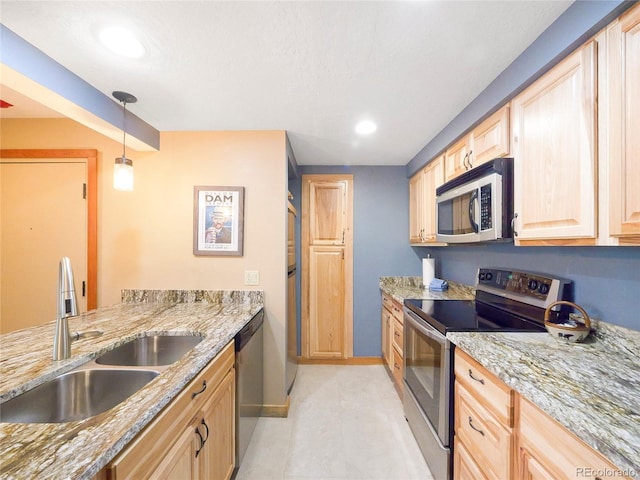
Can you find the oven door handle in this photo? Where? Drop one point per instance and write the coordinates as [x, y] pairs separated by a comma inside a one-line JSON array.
[[425, 329]]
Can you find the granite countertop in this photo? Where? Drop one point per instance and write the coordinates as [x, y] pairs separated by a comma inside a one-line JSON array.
[[81, 449], [401, 288], [591, 388]]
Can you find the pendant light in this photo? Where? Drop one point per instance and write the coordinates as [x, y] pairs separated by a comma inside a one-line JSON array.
[[123, 169]]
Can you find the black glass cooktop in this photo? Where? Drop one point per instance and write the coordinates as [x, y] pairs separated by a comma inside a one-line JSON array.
[[475, 316]]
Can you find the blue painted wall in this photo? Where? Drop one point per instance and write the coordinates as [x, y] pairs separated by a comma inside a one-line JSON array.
[[606, 279], [380, 243]]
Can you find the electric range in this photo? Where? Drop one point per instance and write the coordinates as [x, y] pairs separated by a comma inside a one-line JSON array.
[[505, 301]]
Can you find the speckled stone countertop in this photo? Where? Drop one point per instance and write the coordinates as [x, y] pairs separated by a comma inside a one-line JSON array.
[[591, 388], [79, 450], [401, 288]]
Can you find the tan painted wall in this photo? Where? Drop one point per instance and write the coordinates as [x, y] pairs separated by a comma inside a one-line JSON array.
[[145, 237]]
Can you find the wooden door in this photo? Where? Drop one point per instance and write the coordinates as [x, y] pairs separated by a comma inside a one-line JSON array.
[[554, 140], [327, 266], [44, 217], [532, 469], [218, 453], [624, 126], [491, 138]]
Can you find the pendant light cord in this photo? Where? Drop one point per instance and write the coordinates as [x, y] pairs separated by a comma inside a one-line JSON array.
[[124, 126]]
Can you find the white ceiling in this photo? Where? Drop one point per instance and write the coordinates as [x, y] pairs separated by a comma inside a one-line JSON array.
[[311, 68]]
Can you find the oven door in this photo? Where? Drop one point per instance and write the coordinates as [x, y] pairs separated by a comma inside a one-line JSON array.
[[427, 372]]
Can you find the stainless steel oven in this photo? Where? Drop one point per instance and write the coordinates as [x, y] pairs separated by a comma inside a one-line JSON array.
[[505, 300], [427, 389]]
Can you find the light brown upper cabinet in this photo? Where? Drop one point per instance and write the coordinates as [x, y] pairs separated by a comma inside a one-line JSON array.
[[422, 202], [554, 147], [623, 88], [327, 266], [489, 140]]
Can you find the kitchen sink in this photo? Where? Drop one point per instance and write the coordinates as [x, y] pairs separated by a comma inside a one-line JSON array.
[[75, 396], [155, 350]]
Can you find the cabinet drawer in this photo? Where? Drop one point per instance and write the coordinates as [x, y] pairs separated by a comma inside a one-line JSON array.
[[464, 466], [490, 390], [394, 307], [545, 444], [484, 435], [398, 335]]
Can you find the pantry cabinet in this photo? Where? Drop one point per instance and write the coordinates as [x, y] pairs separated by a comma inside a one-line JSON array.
[[193, 437], [422, 202], [489, 140], [623, 118], [554, 147]]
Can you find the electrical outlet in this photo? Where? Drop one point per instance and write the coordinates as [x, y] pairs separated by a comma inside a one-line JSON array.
[[251, 277]]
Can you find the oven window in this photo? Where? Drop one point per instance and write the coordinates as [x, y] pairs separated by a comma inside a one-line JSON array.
[[423, 370], [453, 216]]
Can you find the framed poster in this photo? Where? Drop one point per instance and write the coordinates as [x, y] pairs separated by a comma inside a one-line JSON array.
[[218, 220]]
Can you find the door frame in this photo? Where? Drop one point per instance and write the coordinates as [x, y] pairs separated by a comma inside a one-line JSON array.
[[348, 258], [91, 158]]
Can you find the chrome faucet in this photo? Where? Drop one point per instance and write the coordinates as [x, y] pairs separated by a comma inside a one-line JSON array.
[[67, 307]]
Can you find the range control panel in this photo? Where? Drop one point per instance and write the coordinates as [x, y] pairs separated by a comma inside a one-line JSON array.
[[534, 288]]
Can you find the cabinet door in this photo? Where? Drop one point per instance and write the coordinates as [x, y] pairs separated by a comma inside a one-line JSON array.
[[433, 178], [416, 207], [181, 461], [456, 158], [218, 452], [548, 450], [490, 138], [624, 125], [328, 206], [387, 324], [326, 302], [553, 143]]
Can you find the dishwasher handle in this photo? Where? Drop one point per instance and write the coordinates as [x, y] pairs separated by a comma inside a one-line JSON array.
[[244, 335]]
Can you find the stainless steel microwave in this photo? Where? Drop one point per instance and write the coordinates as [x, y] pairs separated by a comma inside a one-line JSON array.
[[477, 206]]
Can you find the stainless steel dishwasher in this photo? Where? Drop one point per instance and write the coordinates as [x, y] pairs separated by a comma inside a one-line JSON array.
[[249, 397]]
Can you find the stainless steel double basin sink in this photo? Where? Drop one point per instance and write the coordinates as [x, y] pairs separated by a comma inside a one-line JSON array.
[[100, 384]]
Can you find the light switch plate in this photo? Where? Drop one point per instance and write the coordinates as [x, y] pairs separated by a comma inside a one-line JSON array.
[[251, 277]]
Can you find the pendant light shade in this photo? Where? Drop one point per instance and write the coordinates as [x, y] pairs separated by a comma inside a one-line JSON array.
[[123, 168], [123, 174]]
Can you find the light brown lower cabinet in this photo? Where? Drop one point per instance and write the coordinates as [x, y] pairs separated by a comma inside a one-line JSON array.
[[193, 437], [392, 339], [501, 435]]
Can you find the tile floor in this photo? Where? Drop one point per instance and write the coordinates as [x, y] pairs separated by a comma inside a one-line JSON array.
[[345, 423]]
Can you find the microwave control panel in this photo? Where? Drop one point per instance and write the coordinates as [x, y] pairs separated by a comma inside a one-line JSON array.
[[533, 288], [485, 208]]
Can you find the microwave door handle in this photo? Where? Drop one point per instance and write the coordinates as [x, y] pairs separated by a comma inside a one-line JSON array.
[[472, 213]]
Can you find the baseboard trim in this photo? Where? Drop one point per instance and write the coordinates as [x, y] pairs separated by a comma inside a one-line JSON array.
[[341, 361], [278, 411]]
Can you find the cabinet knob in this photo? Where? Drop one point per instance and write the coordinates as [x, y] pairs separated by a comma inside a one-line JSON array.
[[476, 429], [513, 223], [470, 159], [204, 387]]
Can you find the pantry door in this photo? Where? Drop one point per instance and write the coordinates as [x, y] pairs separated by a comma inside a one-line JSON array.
[[327, 267], [44, 215]]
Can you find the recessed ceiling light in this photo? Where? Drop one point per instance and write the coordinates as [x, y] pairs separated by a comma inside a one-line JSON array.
[[121, 41], [366, 127]]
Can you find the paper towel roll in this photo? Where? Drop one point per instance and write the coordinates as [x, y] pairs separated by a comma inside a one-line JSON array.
[[428, 270]]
